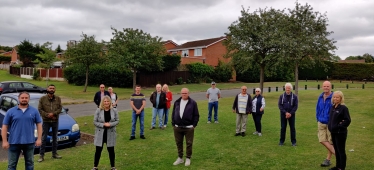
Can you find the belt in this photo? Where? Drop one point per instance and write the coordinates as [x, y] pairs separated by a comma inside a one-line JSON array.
[[185, 127]]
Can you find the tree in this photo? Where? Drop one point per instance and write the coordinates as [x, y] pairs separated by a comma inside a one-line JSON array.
[[368, 58], [58, 49], [87, 52], [307, 41], [46, 58], [27, 53], [256, 38], [136, 50]]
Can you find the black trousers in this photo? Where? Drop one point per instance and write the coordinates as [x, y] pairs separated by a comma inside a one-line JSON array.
[[339, 140], [291, 122], [257, 119], [46, 126], [112, 155]]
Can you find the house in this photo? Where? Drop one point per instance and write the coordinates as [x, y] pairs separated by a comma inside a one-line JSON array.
[[14, 56], [169, 44], [208, 51]]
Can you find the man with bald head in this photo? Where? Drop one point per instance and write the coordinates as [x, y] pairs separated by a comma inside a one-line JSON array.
[[322, 114], [185, 117]]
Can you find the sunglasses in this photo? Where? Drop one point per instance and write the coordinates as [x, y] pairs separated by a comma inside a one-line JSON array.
[[257, 91]]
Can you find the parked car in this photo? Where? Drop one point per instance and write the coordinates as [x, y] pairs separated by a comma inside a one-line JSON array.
[[68, 129], [20, 86]]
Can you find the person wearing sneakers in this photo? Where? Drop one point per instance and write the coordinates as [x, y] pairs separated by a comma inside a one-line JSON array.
[[185, 117], [242, 107], [50, 108], [258, 106], [213, 94], [322, 114], [158, 99], [288, 104], [137, 102]]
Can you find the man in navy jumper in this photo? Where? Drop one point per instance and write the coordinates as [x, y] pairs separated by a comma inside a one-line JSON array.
[[288, 104]]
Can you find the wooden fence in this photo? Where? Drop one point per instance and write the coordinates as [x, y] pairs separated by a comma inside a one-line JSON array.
[[28, 72]]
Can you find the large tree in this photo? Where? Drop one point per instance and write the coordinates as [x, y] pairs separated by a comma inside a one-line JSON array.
[[58, 49], [256, 38], [46, 58], [136, 50], [307, 39], [27, 52], [87, 52]]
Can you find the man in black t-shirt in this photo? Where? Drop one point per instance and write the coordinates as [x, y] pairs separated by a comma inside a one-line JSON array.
[[137, 102]]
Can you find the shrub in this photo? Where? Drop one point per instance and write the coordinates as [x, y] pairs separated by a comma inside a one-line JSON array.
[[199, 71], [36, 75], [180, 80], [4, 58], [171, 62], [223, 72]]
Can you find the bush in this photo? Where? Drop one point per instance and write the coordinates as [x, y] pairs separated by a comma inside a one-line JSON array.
[[36, 75], [180, 80], [5, 58], [200, 72], [98, 74], [223, 72], [171, 62]]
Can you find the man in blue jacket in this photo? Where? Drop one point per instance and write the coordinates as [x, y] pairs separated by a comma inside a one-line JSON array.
[[100, 94], [287, 105], [322, 114]]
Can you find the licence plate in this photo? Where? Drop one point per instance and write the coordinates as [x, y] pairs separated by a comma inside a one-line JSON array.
[[62, 138]]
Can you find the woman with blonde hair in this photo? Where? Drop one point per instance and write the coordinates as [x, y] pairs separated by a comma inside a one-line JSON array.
[[113, 96], [169, 98], [105, 119], [338, 126]]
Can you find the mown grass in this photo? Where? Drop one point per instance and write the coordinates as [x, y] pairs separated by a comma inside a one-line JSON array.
[[216, 147], [71, 94]]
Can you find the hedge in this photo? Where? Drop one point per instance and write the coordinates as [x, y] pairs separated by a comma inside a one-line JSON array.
[[5, 58]]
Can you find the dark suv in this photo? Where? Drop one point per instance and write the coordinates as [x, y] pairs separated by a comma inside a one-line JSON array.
[[20, 86]]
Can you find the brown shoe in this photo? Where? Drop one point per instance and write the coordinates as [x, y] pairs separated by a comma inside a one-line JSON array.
[[41, 158], [56, 156], [152, 128], [162, 128]]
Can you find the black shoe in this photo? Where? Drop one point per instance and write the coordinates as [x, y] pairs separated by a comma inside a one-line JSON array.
[[142, 137], [281, 143], [294, 144], [132, 137], [334, 168], [237, 134], [56, 156], [243, 134], [152, 128]]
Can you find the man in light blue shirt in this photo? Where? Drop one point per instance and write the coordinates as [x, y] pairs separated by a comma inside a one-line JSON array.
[[213, 94], [20, 122]]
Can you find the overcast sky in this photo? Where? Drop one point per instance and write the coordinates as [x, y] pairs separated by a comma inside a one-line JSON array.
[[40, 21]]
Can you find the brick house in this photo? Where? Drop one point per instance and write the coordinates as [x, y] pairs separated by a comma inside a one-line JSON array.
[[207, 51], [14, 56], [169, 44]]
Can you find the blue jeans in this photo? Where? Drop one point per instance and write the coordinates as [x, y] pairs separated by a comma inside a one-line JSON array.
[[159, 113], [46, 127], [291, 122], [212, 105], [13, 155], [141, 121], [166, 116]]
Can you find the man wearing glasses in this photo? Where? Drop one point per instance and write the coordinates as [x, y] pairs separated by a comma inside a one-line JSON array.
[[100, 94], [242, 107]]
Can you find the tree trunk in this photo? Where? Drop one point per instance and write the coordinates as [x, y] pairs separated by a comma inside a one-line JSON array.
[[86, 83], [262, 75], [296, 79], [47, 71], [133, 79]]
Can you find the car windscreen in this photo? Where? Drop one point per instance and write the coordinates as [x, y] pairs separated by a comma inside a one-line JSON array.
[[35, 103]]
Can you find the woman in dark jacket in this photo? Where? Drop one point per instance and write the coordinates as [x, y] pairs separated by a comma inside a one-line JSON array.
[[258, 106], [338, 124], [105, 120]]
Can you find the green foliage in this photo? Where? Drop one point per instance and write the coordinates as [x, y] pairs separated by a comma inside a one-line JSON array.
[[6, 48], [352, 71], [87, 53], [136, 50], [276, 73], [47, 57], [5, 58], [199, 71], [179, 81], [171, 62], [367, 57], [105, 73], [36, 75], [58, 49], [222, 72], [317, 72], [27, 52]]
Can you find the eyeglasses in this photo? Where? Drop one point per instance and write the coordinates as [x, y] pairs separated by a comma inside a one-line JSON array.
[[257, 91], [184, 93], [102, 87], [244, 89]]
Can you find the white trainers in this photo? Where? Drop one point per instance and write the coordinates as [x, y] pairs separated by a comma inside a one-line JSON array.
[[164, 126], [178, 161], [259, 134], [208, 122], [188, 162], [216, 122], [255, 133]]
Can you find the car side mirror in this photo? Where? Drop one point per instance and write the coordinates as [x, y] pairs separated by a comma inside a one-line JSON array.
[[66, 109]]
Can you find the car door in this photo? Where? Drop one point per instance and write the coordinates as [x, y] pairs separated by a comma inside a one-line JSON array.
[[30, 87], [15, 87], [5, 105]]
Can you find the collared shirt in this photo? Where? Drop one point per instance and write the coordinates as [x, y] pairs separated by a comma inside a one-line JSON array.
[[21, 125]]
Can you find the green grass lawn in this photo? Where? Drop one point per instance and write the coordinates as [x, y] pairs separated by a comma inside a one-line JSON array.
[[216, 147], [71, 94]]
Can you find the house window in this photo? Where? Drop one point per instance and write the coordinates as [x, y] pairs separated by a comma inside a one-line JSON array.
[[174, 52], [198, 52], [184, 53]]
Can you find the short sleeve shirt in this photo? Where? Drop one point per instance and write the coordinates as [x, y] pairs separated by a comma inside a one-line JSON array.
[[21, 125], [213, 94], [138, 100]]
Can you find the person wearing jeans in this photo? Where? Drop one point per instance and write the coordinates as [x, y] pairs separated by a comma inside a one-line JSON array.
[[158, 99], [137, 102], [169, 98], [258, 105], [20, 121], [213, 94]]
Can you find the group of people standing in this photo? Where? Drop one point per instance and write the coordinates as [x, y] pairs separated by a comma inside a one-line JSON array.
[[21, 120]]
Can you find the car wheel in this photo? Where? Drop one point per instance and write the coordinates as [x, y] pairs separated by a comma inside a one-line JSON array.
[[73, 144]]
